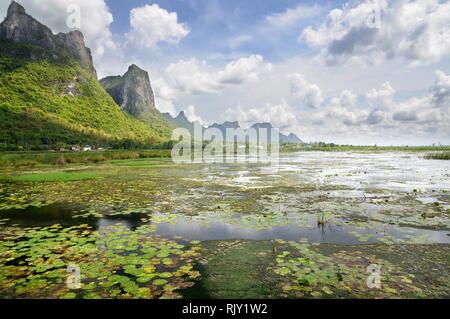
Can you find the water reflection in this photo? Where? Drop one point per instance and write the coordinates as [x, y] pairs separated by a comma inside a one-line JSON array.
[[386, 187], [204, 230], [338, 234]]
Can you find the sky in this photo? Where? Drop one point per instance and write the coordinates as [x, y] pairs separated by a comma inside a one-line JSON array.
[[355, 72]]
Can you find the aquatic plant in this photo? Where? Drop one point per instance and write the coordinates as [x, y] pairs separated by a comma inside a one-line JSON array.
[[114, 263]]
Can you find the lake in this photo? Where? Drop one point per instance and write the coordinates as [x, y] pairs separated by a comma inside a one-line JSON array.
[[144, 220]]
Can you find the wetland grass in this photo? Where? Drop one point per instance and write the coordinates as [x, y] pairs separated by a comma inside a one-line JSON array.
[[438, 156]]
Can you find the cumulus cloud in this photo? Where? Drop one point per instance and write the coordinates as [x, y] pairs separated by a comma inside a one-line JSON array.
[[382, 97], [310, 94], [425, 113], [374, 30], [377, 116], [151, 25], [243, 70], [195, 77], [441, 90], [293, 15], [95, 21], [418, 110], [188, 76], [164, 96], [347, 98], [339, 110], [192, 115], [281, 115], [431, 109]]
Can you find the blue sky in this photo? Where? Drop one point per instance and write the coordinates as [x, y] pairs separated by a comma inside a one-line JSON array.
[[212, 22], [362, 72]]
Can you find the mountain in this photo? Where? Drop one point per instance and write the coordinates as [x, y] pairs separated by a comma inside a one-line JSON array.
[[284, 139], [181, 121], [19, 27], [49, 93], [224, 126], [134, 94], [291, 139]]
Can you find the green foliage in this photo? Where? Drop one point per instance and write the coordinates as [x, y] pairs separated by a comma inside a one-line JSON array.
[[56, 177], [46, 103], [115, 263], [438, 156], [309, 273]]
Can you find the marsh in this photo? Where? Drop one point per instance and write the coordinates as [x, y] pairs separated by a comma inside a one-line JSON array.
[[309, 230]]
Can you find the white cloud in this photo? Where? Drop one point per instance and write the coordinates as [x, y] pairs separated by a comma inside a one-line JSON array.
[[418, 110], [382, 97], [195, 77], [293, 15], [281, 115], [96, 19], [441, 90], [347, 98], [431, 110], [416, 30], [164, 97], [151, 25], [192, 115], [243, 70], [339, 109], [191, 77], [418, 114], [310, 94]]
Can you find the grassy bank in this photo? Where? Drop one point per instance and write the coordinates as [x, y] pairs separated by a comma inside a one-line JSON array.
[[31, 159]]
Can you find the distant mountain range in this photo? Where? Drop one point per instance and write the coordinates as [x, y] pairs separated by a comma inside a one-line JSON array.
[[50, 96], [182, 121]]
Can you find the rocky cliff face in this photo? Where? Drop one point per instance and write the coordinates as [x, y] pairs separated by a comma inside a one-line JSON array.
[[74, 42], [132, 92], [20, 27]]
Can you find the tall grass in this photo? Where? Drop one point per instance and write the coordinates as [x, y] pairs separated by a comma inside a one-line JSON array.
[[438, 156]]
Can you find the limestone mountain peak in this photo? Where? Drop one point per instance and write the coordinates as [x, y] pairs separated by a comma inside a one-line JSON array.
[[134, 94], [20, 27]]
